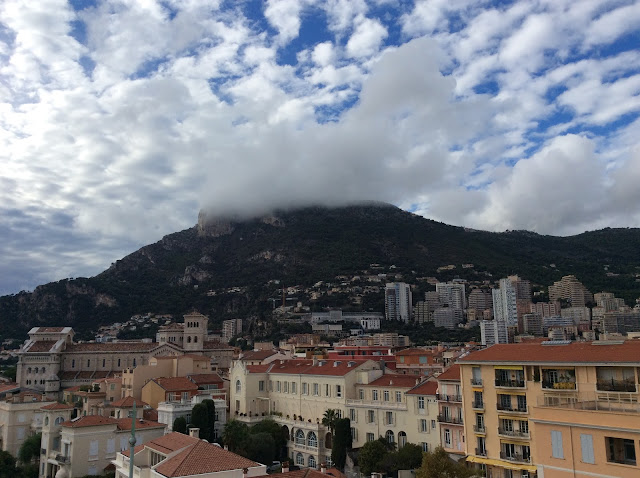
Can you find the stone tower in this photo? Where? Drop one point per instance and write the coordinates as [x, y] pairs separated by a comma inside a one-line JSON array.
[[195, 331]]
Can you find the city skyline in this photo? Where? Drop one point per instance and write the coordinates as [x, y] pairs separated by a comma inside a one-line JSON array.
[[119, 121]]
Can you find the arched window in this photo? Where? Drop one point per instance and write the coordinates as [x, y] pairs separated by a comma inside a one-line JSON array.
[[238, 386], [299, 459], [390, 437], [59, 420], [299, 437], [29, 370], [189, 339], [312, 439], [327, 440], [312, 461], [43, 370], [402, 439], [35, 370], [285, 432], [195, 339]]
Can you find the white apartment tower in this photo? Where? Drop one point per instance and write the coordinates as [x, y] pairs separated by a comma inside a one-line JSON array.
[[494, 332], [398, 301], [504, 303], [452, 294]]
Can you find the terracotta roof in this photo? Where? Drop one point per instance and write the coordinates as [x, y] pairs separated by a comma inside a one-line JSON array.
[[136, 449], [41, 346], [8, 387], [425, 388], [201, 458], [127, 402], [257, 354], [120, 423], [395, 380], [26, 397], [205, 378], [452, 373], [175, 384], [58, 406], [415, 351], [125, 424], [75, 388], [150, 414], [574, 352], [305, 367], [171, 442], [112, 347], [262, 368], [67, 376], [50, 329], [309, 473]]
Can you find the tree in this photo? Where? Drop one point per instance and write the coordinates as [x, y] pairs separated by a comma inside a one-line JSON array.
[[437, 464], [180, 425], [409, 457], [200, 419], [7, 465], [370, 457], [329, 419], [269, 426], [260, 447], [211, 415], [30, 449], [235, 435], [341, 442]]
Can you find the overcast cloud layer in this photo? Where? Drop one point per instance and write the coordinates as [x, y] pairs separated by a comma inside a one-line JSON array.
[[119, 120]]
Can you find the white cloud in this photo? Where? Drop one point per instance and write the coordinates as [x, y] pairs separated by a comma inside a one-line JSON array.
[[366, 38]]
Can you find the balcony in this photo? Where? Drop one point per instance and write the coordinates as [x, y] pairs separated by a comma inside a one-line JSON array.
[[481, 452], [63, 459], [477, 405], [616, 386], [376, 404], [568, 386], [510, 409], [449, 398], [448, 419], [479, 429], [518, 383], [513, 433], [476, 382], [515, 457]]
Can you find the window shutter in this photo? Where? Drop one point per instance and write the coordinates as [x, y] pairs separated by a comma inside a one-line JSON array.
[[586, 442], [556, 444]]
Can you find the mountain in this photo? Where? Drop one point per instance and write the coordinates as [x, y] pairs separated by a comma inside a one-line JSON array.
[[228, 267]]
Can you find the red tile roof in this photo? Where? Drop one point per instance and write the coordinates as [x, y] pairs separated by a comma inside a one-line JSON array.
[[416, 351], [41, 346], [257, 354], [125, 424], [175, 384], [58, 406], [336, 368], [425, 388], [120, 423], [112, 347], [8, 387], [574, 352], [258, 368], [396, 381], [50, 329], [171, 442], [308, 473], [127, 402], [201, 458], [205, 378], [150, 414], [452, 373]]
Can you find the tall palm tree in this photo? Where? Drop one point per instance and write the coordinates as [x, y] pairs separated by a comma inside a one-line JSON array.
[[329, 419]]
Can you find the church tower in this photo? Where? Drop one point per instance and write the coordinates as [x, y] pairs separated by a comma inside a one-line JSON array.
[[195, 331]]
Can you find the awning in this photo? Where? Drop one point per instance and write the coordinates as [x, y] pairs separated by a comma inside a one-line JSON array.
[[513, 442], [515, 392], [508, 367], [503, 464]]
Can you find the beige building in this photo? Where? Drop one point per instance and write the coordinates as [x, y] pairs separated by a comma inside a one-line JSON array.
[[87, 445], [20, 417], [561, 409], [166, 389], [176, 455], [450, 413], [570, 289]]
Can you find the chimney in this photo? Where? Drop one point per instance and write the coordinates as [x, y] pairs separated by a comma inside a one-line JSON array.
[[194, 432], [323, 467], [245, 472], [285, 467]]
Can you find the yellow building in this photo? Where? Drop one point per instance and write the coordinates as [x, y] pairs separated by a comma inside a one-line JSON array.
[[553, 409]]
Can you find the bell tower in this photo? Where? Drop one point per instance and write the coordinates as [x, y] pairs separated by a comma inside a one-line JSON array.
[[195, 331]]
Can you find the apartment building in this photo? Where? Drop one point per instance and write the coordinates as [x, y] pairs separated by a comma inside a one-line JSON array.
[[165, 389], [553, 409], [398, 301], [570, 289], [419, 361], [170, 410], [450, 414], [20, 417]]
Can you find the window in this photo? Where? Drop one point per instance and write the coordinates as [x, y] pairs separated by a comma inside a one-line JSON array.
[[361, 393], [261, 386], [104, 362], [73, 364], [58, 421], [111, 445], [312, 461], [185, 396], [522, 402], [93, 448], [278, 386], [339, 391], [305, 388], [286, 387], [447, 437], [398, 396], [621, 450], [556, 444], [300, 438], [134, 362], [299, 459], [327, 390], [388, 418], [433, 424], [424, 426], [425, 447], [354, 434], [353, 415], [294, 388], [420, 403], [385, 395], [423, 359], [390, 437], [88, 362], [312, 439], [316, 389], [271, 385], [370, 437], [371, 416], [374, 394], [586, 443], [238, 386], [118, 362]]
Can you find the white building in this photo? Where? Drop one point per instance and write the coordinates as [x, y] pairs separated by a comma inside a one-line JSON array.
[[452, 294], [504, 303], [398, 301], [494, 332], [169, 411]]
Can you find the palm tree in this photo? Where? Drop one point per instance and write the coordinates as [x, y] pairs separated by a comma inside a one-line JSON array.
[[329, 419]]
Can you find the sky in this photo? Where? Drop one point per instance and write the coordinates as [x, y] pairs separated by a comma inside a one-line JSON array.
[[120, 120]]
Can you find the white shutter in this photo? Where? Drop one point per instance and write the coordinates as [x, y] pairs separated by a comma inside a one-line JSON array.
[[556, 444], [111, 445], [93, 448], [586, 442]]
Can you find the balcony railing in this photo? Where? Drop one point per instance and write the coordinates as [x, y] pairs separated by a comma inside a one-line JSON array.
[[513, 433], [477, 405], [516, 457], [476, 382], [616, 386], [479, 429], [449, 398], [448, 419], [510, 409], [519, 383], [481, 452], [558, 385], [63, 459]]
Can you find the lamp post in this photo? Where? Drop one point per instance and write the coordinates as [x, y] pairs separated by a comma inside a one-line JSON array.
[[132, 439]]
